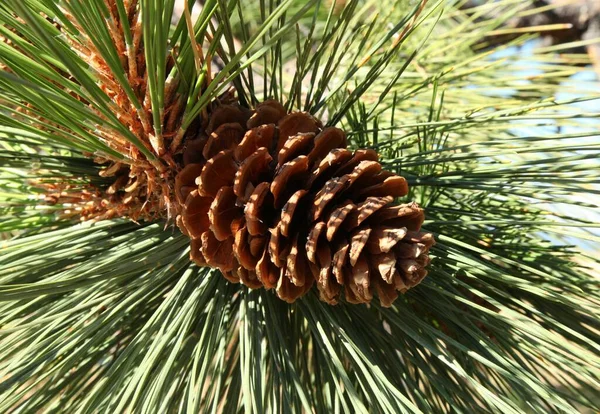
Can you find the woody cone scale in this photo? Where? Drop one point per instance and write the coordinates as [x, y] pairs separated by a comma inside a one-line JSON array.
[[275, 200]]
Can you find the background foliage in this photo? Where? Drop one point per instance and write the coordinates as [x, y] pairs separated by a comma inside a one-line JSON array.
[[111, 315]]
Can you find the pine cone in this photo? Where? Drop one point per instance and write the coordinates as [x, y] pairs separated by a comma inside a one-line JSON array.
[[275, 200]]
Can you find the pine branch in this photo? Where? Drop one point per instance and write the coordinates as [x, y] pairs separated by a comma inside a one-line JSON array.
[[101, 308]]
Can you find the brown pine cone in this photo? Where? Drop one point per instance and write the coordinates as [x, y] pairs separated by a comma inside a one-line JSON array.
[[275, 200]]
